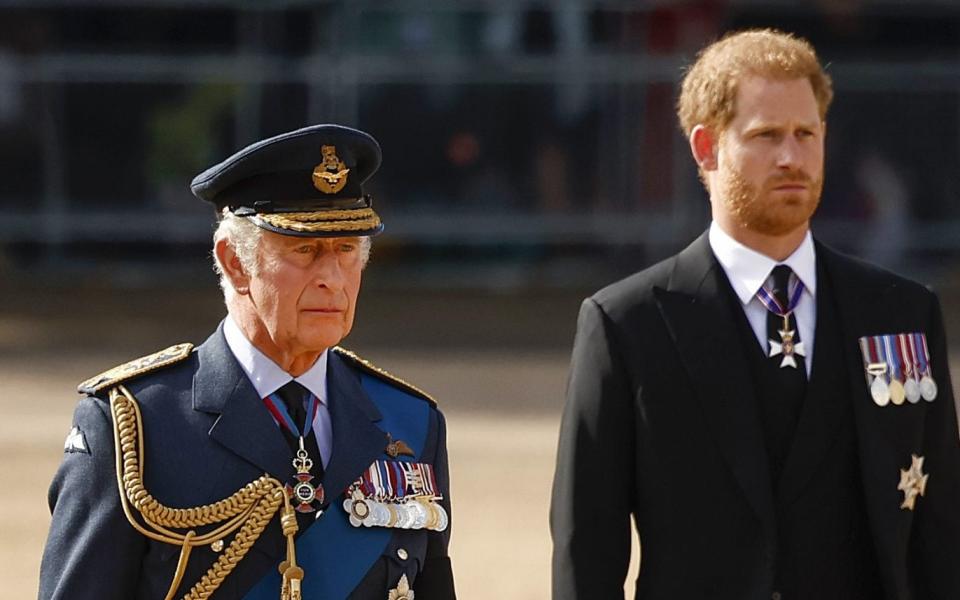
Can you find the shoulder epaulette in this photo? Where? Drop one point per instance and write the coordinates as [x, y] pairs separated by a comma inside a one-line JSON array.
[[373, 369], [135, 368]]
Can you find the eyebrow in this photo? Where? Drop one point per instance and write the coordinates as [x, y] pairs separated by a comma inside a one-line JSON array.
[[766, 125]]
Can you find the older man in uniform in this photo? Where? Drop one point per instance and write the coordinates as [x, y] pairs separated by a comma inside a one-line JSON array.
[[267, 462], [776, 417]]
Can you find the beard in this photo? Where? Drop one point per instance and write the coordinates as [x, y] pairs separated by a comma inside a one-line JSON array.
[[765, 211]]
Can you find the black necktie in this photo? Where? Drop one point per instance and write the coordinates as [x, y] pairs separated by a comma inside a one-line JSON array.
[[791, 383], [294, 396]]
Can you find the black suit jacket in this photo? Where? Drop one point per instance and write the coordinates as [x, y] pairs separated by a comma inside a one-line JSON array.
[[661, 424], [206, 434]]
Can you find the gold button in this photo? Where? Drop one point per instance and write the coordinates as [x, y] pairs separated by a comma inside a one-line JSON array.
[[402, 554], [217, 546]]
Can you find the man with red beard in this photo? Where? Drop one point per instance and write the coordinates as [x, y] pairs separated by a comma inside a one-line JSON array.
[[777, 418]]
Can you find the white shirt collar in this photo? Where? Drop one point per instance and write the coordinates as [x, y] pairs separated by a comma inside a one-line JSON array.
[[265, 375], [748, 269]]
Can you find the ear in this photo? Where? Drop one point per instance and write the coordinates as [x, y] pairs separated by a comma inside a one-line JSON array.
[[703, 145], [232, 269]]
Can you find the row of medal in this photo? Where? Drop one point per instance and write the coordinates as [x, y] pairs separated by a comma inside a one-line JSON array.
[[898, 368], [396, 494]]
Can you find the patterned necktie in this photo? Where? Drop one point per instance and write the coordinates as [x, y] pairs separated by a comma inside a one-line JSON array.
[[295, 398]]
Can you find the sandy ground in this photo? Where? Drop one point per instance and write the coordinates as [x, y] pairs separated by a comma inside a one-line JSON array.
[[496, 362], [501, 461]]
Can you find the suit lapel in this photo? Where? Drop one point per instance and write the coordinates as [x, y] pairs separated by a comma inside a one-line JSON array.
[[696, 307], [885, 436], [244, 427], [357, 441]]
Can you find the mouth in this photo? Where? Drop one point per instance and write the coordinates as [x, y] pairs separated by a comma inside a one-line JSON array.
[[323, 311], [790, 187]]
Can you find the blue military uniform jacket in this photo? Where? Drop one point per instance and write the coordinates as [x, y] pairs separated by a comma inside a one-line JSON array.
[[206, 434]]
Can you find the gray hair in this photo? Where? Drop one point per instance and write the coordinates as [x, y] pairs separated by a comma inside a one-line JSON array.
[[244, 237]]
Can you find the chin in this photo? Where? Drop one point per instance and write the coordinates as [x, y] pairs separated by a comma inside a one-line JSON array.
[[319, 342], [778, 226], [787, 215]]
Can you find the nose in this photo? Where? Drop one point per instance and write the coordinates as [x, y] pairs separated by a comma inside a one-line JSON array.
[[327, 272], [789, 155]]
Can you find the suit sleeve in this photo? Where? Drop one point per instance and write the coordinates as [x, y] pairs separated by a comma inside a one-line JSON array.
[[936, 553], [593, 483], [91, 550], [435, 581]]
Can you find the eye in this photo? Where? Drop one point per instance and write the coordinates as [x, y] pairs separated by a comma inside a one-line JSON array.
[[304, 249], [804, 133]]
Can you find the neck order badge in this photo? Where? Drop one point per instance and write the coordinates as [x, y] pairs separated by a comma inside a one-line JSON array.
[[787, 346], [309, 497]]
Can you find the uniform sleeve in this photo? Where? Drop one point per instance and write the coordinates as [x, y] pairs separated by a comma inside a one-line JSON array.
[[91, 550], [936, 553], [592, 486], [435, 581]]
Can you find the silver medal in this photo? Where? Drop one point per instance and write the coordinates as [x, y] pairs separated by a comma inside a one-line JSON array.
[[928, 388], [880, 391], [419, 512], [379, 515], [404, 516], [912, 389], [442, 519]]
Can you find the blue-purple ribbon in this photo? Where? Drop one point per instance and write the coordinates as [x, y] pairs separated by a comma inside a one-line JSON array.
[[893, 358], [773, 305], [920, 348]]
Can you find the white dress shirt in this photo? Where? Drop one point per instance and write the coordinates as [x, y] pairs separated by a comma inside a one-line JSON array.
[[748, 270], [267, 377]]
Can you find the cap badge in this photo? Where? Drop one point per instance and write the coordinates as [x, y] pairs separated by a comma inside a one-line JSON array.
[[331, 175], [913, 482]]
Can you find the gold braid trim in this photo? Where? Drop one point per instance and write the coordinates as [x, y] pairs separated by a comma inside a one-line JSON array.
[[382, 373], [324, 221], [249, 509], [350, 214]]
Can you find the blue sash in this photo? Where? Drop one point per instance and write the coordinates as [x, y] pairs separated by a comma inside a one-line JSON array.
[[334, 555]]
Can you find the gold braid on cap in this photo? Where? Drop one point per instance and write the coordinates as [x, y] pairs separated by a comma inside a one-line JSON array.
[[359, 219], [247, 511]]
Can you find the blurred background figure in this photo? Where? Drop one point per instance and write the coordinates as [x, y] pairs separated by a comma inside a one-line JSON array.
[[530, 157]]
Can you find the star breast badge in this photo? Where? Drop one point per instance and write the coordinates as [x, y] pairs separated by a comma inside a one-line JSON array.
[[402, 591], [913, 482]]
